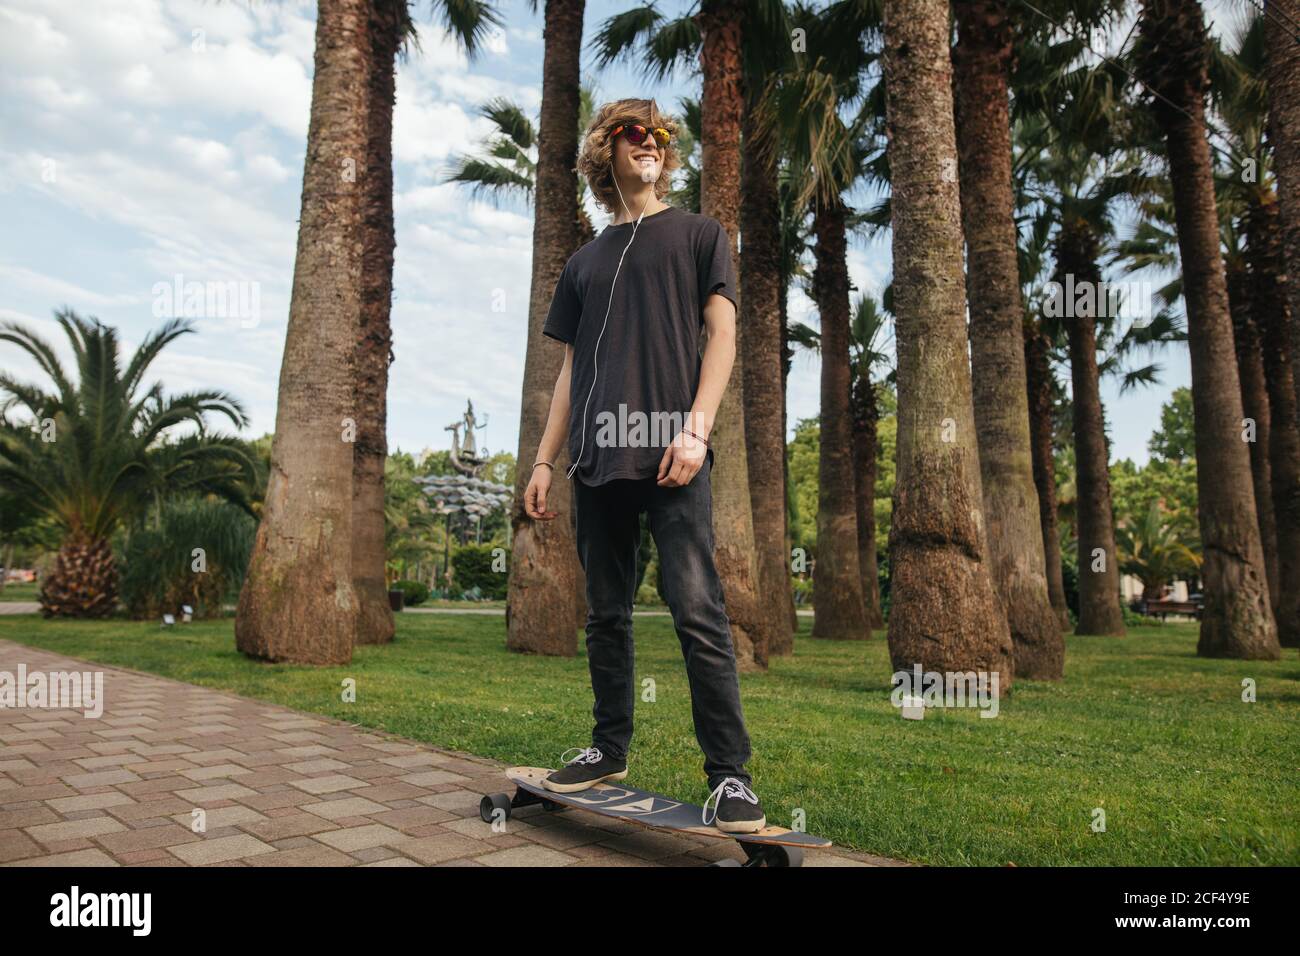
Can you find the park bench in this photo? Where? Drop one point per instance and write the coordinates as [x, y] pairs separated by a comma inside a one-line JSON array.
[[1162, 609]]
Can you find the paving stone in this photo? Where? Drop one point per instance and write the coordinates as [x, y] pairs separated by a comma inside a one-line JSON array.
[[328, 784], [50, 833], [439, 847], [221, 850], [341, 809], [358, 838], [531, 855]]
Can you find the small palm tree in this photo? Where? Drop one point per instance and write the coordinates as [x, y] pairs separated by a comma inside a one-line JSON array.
[[1154, 552], [93, 453]]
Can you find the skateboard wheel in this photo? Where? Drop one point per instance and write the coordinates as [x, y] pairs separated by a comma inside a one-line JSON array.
[[490, 804], [784, 856], [550, 806], [726, 861]]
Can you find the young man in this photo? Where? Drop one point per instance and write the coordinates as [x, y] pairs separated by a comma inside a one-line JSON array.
[[637, 403]]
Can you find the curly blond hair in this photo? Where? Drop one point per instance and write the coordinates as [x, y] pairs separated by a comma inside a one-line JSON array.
[[596, 155]]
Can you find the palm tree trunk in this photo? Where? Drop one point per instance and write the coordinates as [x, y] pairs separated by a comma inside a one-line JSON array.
[[1038, 385], [981, 59], [543, 590], [721, 108], [787, 357], [1283, 80], [1254, 405], [1268, 295], [837, 579], [297, 603], [760, 342], [866, 421], [944, 613], [84, 580], [1077, 250], [374, 341], [1237, 620]]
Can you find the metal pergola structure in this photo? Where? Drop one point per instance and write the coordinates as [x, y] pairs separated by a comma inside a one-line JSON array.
[[475, 497]]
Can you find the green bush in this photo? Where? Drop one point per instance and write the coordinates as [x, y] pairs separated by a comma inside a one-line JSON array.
[[160, 569], [471, 567], [414, 592]]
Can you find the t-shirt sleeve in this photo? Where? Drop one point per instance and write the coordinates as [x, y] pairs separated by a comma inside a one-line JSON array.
[[566, 308], [717, 273]]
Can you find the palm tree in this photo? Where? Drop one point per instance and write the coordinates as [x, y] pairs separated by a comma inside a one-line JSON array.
[[544, 583], [825, 154], [981, 59], [92, 453], [390, 29], [1240, 89], [298, 602], [722, 105], [1153, 551], [390, 26], [944, 613], [869, 332], [1283, 81], [767, 52], [1078, 173], [1238, 619], [509, 167]]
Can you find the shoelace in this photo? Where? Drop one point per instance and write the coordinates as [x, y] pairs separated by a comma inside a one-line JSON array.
[[730, 787], [585, 755]]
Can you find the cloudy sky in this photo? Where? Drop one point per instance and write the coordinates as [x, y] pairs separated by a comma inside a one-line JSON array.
[[142, 141]]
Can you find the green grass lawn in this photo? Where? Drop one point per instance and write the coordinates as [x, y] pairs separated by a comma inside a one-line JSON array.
[[20, 592], [1186, 772]]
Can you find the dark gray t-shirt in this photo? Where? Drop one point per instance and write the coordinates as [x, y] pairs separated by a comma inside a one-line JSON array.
[[648, 365]]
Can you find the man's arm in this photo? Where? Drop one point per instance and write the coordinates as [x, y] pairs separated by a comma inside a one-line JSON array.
[[553, 438], [685, 456]]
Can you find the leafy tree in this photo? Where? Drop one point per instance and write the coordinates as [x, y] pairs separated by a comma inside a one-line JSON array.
[[1175, 439]]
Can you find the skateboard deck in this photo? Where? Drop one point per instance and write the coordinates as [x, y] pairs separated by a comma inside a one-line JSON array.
[[651, 810]]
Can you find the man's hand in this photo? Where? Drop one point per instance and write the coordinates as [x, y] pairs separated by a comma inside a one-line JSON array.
[[682, 460], [535, 497]]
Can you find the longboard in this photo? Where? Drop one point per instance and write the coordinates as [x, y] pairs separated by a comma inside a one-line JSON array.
[[771, 846]]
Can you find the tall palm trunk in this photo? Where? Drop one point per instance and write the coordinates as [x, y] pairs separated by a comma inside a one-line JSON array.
[[1038, 386], [543, 589], [866, 421], [760, 344], [297, 602], [837, 579], [981, 59], [374, 341], [1283, 80], [1254, 407], [1077, 250], [1237, 620], [944, 613], [721, 107], [1268, 295]]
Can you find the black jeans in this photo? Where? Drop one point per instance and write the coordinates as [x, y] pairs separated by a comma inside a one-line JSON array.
[[609, 536]]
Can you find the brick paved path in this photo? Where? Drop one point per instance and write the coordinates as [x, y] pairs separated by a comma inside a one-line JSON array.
[[279, 788]]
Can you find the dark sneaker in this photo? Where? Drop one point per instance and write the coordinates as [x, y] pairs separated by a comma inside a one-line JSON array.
[[586, 770], [737, 809]]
